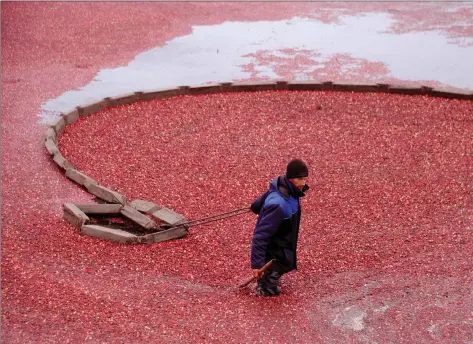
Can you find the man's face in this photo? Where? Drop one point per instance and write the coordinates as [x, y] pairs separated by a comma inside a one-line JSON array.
[[299, 182]]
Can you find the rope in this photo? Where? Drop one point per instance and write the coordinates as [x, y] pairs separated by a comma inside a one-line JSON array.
[[215, 217]]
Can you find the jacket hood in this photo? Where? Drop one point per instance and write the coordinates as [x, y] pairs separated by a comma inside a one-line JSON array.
[[282, 185]]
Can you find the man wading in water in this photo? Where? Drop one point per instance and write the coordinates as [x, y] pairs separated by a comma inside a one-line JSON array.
[[277, 228]]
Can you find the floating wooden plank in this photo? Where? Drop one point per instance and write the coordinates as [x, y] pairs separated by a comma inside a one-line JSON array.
[[100, 208], [225, 86], [110, 234], [184, 90], [124, 99], [144, 206], [59, 125], [253, 86], [446, 93], [50, 134], [79, 177], [71, 116], [281, 85], [169, 234], [159, 94], [309, 86], [106, 194], [404, 89], [356, 86], [74, 215], [204, 89], [61, 161], [51, 147], [92, 108], [168, 216], [142, 220]]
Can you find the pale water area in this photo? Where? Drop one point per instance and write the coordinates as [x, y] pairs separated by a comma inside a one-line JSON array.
[[217, 54]]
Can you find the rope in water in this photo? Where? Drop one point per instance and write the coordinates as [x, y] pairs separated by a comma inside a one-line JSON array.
[[216, 217]]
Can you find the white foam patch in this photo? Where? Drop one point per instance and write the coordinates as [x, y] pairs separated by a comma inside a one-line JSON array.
[[351, 318], [382, 309], [216, 54]]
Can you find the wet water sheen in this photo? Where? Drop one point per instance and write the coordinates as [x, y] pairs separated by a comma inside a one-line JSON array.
[[219, 53]]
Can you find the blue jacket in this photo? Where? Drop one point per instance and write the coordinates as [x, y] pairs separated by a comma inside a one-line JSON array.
[[277, 228]]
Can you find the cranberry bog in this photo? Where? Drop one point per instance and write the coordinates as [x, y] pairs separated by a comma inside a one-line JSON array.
[[386, 225], [386, 238]]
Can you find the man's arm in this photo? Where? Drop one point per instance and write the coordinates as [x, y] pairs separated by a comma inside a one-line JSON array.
[[272, 217], [258, 203]]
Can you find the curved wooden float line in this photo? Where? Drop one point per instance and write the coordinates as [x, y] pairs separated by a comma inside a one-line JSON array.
[[134, 211]]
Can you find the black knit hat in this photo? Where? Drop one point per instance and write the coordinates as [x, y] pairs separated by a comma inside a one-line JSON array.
[[296, 169]]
